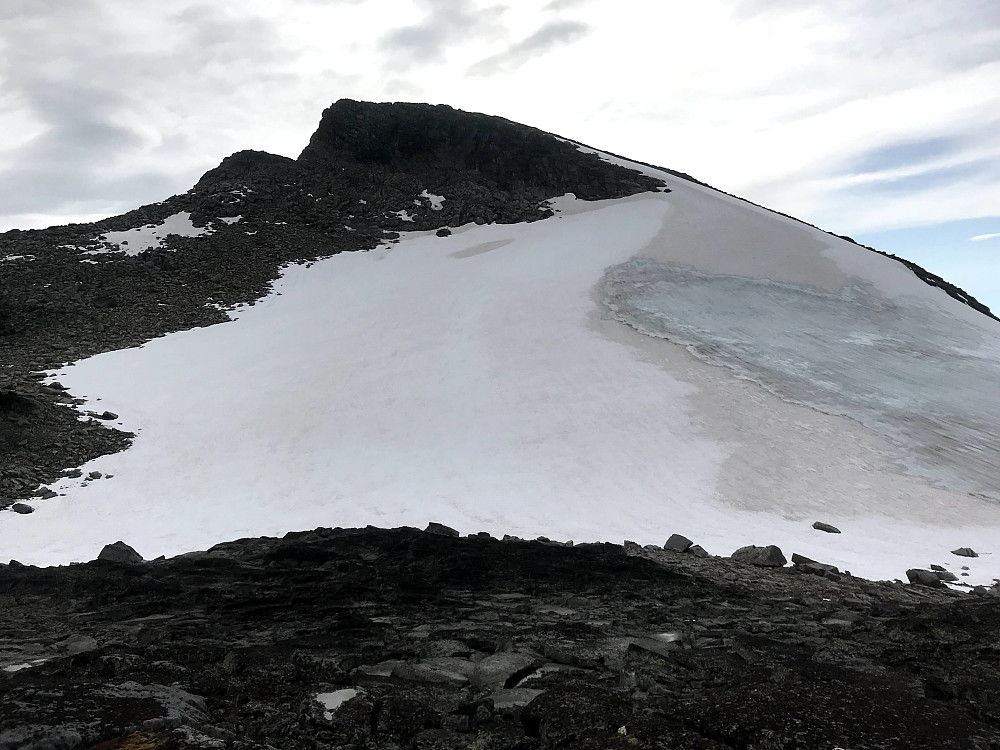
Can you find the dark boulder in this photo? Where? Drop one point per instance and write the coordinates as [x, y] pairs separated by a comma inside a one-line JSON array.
[[820, 526], [765, 557], [119, 552], [924, 578], [678, 543], [965, 552]]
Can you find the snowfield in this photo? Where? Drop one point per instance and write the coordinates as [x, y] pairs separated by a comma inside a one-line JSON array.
[[671, 362]]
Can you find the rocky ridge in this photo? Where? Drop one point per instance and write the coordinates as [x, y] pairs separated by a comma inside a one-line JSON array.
[[372, 638]]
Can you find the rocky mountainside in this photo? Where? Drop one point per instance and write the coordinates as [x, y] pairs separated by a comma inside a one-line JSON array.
[[369, 638], [68, 292]]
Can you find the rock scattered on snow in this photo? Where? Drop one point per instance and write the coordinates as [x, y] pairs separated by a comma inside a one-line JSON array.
[[765, 557], [22, 508], [924, 578], [965, 552], [119, 552], [820, 526]]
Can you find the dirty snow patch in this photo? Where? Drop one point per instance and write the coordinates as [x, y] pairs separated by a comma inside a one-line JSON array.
[[332, 701], [135, 241], [435, 200]]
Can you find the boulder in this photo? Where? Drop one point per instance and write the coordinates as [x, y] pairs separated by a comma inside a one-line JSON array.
[[965, 552], [924, 578], [440, 529], [22, 508], [678, 543], [764, 557], [945, 575], [697, 550], [119, 552], [79, 644], [820, 526], [938, 568], [108, 416]]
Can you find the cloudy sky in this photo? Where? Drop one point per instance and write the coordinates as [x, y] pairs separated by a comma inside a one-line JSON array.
[[878, 119]]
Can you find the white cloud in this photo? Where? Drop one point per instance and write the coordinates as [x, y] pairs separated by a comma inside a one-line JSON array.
[[981, 237], [106, 105]]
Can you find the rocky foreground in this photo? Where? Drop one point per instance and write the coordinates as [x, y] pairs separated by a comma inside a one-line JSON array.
[[371, 638]]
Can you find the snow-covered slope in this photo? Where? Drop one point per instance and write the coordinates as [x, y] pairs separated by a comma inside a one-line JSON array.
[[671, 362]]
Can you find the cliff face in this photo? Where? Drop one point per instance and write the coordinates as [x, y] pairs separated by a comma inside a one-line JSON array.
[[445, 144]]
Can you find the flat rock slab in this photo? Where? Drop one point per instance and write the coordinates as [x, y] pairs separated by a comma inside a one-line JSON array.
[[443, 671], [514, 698], [504, 669]]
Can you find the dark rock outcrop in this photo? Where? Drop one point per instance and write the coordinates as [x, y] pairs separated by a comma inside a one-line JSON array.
[[401, 639]]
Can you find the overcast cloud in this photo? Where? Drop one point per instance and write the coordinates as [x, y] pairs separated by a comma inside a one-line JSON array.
[[854, 115]]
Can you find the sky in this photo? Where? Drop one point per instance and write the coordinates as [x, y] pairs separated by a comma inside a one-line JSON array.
[[878, 120]]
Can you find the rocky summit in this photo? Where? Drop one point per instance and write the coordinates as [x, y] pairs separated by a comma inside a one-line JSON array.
[[372, 638]]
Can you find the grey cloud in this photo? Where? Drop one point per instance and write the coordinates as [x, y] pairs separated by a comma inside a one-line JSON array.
[[98, 97], [550, 36], [557, 5], [943, 33], [446, 22]]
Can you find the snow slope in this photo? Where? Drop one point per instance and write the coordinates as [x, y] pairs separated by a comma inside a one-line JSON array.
[[676, 362]]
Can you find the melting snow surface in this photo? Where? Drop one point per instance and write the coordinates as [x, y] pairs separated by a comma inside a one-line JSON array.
[[435, 200], [230, 219], [672, 362], [404, 215], [135, 241]]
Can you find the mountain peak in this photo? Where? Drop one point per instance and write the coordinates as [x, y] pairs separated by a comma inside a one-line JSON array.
[[439, 141]]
